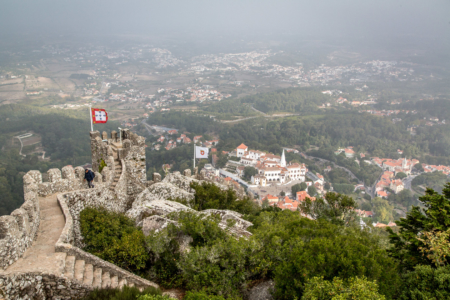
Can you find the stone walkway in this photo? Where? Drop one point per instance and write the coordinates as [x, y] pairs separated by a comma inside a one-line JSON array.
[[41, 256]]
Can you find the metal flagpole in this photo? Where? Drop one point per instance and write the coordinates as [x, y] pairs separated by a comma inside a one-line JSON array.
[[194, 157], [90, 117]]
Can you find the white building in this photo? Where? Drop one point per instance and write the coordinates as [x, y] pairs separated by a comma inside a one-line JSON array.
[[270, 167], [241, 150]]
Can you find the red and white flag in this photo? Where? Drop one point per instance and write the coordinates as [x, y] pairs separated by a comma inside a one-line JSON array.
[[201, 152], [99, 115]]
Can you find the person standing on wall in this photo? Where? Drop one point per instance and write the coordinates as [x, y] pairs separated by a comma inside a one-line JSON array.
[[89, 176]]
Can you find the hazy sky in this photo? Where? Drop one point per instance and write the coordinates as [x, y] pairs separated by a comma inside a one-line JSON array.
[[310, 17]]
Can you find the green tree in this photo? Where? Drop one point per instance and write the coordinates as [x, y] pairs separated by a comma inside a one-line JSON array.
[[382, 209], [426, 282], [418, 167], [336, 208], [327, 186], [249, 172], [435, 215], [210, 196], [312, 191], [319, 248], [338, 289], [113, 237], [343, 188], [401, 175], [298, 187]]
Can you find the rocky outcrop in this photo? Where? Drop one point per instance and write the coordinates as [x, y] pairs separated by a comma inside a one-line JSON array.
[[152, 201], [262, 291], [152, 217], [239, 225]]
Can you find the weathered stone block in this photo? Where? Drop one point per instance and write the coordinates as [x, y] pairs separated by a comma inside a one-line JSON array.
[[68, 173], [54, 175], [8, 227], [114, 135], [79, 173], [23, 223], [187, 172], [36, 175], [94, 134], [156, 177]]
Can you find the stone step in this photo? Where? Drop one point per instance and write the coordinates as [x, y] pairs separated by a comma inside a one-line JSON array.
[[79, 270], [69, 270], [97, 282], [88, 274], [122, 283], [114, 282], [106, 280], [60, 261]]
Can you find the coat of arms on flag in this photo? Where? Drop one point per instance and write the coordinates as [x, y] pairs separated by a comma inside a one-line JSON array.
[[201, 152], [99, 115]]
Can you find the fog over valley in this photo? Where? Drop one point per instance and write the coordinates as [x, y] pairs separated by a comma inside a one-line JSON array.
[[220, 150]]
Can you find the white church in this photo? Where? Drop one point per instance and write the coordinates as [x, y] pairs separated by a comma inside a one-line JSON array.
[[270, 167]]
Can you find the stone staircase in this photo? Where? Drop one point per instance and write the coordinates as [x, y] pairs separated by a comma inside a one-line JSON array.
[[89, 275], [42, 258], [117, 173]]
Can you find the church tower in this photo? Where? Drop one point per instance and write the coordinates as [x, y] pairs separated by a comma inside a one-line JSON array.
[[283, 160]]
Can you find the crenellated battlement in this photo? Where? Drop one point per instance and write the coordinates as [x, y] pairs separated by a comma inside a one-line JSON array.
[[121, 185]]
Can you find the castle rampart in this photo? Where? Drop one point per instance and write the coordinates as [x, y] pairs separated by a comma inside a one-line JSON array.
[[120, 167]]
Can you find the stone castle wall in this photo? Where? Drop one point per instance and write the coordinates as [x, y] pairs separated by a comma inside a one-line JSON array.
[[18, 230], [37, 285], [123, 177], [129, 149], [70, 237]]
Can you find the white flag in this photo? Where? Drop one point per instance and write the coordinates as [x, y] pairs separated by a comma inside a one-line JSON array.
[[201, 152]]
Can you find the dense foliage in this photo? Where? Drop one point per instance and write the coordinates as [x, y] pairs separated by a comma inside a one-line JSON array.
[[114, 238], [433, 180], [126, 293], [307, 259], [336, 208], [287, 100], [434, 216], [354, 288], [210, 196], [426, 282], [283, 245]]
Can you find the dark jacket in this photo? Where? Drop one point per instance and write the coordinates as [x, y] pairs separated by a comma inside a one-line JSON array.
[[89, 176]]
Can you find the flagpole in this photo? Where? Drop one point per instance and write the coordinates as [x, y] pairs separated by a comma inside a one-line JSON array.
[[90, 117], [194, 157]]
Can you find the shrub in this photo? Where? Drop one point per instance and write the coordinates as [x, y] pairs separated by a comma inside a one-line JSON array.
[[222, 268], [126, 293], [202, 296], [210, 196], [426, 282], [101, 165], [114, 238], [164, 245], [153, 297], [354, 288], [297, 248]]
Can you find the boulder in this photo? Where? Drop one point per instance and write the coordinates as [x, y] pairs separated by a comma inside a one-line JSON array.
[[152, 201], [262, 291], [240, 225], [155, 224]]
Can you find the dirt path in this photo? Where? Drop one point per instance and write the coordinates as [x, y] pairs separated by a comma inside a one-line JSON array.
[[41, 256]]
